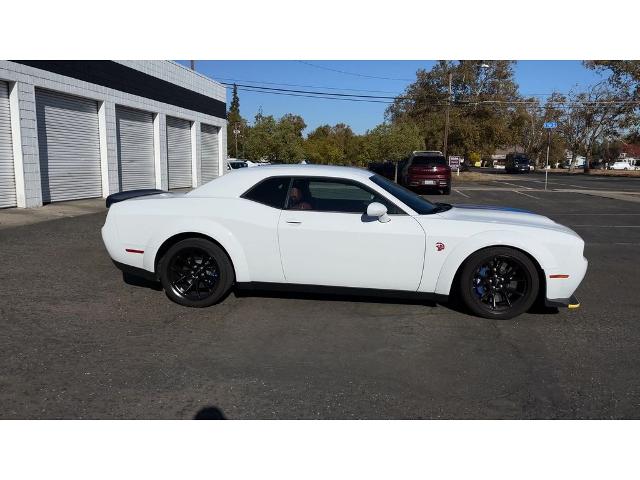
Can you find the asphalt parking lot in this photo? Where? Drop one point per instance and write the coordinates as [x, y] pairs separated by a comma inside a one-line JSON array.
[[78, 342]]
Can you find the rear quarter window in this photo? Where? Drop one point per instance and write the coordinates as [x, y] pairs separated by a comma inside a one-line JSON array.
[[271, 192]]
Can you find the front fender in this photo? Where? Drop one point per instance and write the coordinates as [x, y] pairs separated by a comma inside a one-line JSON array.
[[494, 238], [206, 227]]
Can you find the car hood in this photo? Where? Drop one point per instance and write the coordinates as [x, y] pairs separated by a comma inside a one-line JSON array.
[[501, 215]]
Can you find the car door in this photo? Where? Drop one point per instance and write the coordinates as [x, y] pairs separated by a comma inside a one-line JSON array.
[[326, 238]]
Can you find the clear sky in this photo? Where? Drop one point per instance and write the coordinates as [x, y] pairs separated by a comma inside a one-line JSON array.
[[537, 77]]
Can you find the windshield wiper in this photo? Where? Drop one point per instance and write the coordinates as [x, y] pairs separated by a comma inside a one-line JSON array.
[[441, 207]]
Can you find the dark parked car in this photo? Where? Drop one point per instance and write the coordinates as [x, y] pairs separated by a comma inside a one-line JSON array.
[[517, 163], [426, 170]]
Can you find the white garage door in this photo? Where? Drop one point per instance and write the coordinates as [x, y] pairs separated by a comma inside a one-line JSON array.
[[7, 178], [209, 152], [134, 131], [179, 152], [69, 146]]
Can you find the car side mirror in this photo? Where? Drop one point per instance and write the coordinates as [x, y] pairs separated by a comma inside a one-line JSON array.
[[378, 211]]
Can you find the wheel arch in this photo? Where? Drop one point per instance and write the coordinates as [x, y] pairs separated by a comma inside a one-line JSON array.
[[215, 234], [171, 241], [540, 255], [541, 275]]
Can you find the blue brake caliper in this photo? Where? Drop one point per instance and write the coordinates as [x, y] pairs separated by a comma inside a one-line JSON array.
[[479, 288]]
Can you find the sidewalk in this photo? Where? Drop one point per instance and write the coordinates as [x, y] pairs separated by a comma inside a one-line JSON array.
[[16, 217]]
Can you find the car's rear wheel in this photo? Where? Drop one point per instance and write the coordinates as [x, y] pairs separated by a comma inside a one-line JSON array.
[[499, 283], [196, 273]]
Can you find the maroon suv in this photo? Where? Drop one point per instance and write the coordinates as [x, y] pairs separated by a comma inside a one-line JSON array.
[[426, 171]]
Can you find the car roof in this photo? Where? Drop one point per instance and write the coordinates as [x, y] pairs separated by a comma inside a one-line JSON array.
[[236, 182]]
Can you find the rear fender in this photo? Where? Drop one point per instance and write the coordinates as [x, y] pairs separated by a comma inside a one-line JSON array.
[[209, 228]]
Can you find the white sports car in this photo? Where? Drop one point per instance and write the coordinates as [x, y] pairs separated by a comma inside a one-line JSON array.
[[339, 229]]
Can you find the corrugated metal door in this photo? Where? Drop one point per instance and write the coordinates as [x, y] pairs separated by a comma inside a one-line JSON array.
[[209, 152], [134, 131], [179, 152], [7, 177], [69, 146]]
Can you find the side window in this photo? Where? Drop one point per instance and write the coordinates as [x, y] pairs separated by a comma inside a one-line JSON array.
[[271, 192], [329, 195]]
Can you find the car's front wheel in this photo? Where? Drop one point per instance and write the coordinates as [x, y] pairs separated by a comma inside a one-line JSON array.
[[499, 283], [196, 273]]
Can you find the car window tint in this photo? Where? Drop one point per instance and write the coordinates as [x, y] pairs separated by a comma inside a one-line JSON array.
[[271, 192], [328, 195], [428, 161]]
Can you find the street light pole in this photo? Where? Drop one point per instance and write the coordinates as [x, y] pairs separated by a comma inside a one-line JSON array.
[[546, 168], [446, 118]]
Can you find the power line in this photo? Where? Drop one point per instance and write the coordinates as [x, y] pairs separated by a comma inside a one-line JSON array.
[[320, 97], [235, 80], [355, 74], [317, 92], [323, 95]]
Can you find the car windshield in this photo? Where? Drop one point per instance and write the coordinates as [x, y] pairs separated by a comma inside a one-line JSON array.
[[425, 160], [406, 196]]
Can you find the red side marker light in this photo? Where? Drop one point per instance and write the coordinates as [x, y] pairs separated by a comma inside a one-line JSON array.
[[133, 250], [559, 276]]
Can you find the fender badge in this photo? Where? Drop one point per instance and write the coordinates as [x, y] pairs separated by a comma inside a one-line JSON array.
[[439, 246]]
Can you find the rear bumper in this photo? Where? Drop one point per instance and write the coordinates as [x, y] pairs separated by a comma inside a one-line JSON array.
[[135, 271], [571, 302], [439, 181]]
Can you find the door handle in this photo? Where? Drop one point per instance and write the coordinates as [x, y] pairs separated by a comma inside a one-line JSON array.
[[294, 222]]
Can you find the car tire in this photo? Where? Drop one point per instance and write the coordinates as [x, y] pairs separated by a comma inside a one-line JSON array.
[[447, 190], [196, 273], [498, 283]]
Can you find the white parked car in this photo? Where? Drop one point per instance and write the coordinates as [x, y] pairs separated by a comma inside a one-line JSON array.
[[339, 229], [621, 166]]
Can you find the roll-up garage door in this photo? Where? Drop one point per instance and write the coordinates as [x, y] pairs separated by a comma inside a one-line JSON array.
[[179, 152], [209, 156], [69, 146], [7, 178], [134, 131]]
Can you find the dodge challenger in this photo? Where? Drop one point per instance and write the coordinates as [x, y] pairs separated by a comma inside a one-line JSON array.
[[315, 228]]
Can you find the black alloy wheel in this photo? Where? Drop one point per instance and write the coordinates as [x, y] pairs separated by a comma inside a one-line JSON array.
[[499, 283], [196, 273], [193, 273]]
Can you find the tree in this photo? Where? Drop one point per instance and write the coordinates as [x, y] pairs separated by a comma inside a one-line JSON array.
[[235, 122], [482, 93], [289, 143], [260, 138], [593, 115], [391, 141]]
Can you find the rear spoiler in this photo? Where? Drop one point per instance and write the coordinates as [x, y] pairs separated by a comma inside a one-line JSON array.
[[121, 196]]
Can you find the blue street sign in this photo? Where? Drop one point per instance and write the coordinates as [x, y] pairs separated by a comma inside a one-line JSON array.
[[550, 124]]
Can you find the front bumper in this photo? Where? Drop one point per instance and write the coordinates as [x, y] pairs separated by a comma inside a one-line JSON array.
[[571, 302]]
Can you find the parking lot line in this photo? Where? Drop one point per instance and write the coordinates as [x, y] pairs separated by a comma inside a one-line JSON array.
[[463, 194], [513, 184], [606, 226], [591, 214], [526, 195]]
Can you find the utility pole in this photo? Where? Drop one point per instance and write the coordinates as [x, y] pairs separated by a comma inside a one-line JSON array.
[[193, 64], [446, 119], [236, 132]]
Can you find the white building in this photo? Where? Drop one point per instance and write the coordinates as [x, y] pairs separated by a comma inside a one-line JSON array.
[[86, 129]]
